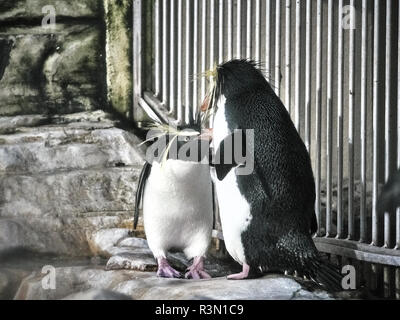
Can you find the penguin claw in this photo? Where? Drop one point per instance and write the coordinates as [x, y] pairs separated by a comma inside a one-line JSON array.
[[197, 274], [242, 275], [166, 271], [196, 270]]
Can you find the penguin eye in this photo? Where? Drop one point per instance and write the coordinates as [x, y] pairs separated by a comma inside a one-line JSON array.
[[187, 139]]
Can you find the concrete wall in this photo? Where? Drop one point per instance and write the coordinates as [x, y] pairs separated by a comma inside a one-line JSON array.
[[45, 70], [83, 64]]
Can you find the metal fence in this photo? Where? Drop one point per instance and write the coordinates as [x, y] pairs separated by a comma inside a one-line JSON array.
[[335, 65]]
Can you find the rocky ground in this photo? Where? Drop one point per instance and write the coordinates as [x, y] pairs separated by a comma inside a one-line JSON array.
[[67, 186], [129, 273]]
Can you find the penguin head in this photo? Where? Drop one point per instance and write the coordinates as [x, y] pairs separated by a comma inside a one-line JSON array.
[[233, 78], [185, 142]]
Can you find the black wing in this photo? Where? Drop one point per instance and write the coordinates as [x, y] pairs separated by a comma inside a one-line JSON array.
[[140, 190], [225, 154]]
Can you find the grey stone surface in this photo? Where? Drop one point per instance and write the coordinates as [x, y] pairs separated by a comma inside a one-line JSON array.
[[58, 71], [145, 285], [63, 181], [97, 294]]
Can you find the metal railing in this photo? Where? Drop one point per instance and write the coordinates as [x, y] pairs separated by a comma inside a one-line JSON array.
[[336, 66]]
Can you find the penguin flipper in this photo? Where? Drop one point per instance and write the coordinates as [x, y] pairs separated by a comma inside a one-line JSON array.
[[140, 190], [225, 154]]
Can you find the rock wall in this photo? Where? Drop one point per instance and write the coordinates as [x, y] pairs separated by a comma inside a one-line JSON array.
[[50, 70], [62, 179]]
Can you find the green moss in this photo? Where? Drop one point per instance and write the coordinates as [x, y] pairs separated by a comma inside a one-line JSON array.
[[119, 54]]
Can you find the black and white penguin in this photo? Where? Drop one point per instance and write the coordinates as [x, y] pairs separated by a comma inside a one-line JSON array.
[[176, 195], [268, 215]]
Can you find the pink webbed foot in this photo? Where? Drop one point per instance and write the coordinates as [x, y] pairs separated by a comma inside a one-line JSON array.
[[196, 270], [165, 270], [242, 275]]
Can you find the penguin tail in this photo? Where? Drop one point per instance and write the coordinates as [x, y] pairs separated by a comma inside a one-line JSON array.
[[326, 274]]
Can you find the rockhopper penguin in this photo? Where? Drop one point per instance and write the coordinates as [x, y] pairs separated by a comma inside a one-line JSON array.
[[176, 195], [268, 215]]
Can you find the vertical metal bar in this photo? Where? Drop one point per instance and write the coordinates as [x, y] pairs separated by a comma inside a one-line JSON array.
[[340, 124], [329, 122], [239, 29], [230, 30], [157, 47], [375, 107], [164, 52], [188, 60], [278, 48], [195, 56], [221, 32], [203, 46], [398, 155], [257, 53], [307, 128], [137, 48], [318, 88], [248, 29], [172, 74], [351, 132], [212, 45], [298, 63], [388, 65], [212, 33], [363, 196], [287, 55], [179, 102], [268, 38]]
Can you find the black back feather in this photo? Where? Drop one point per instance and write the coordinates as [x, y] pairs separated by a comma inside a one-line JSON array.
[[140, 191]]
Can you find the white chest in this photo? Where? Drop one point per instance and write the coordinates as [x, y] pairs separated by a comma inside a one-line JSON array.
[[234, 208]]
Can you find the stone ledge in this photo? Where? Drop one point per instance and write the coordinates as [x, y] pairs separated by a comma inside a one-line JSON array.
[[12, 9]]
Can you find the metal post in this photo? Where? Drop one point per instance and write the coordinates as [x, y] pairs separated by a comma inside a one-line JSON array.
[[318, 88], [287, 55], [388, 65], [351, 132], [278, 48], [340, 124], [164, 52], [248, 29], [268, 39], [172, 74], [329, 122], [363, 196], [239, 30], [375, 125], [298, 64], [157, 48], [221, 32], [203, 47], [179, 102], [195, 56], [307, 127], [230, 30], [257, 53]]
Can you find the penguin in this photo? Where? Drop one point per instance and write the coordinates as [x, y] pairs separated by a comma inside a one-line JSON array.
[[177, 200], [267, 216], [389, 199]]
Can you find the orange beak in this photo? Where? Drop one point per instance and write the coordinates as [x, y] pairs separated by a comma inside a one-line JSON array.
[[206, 104]]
